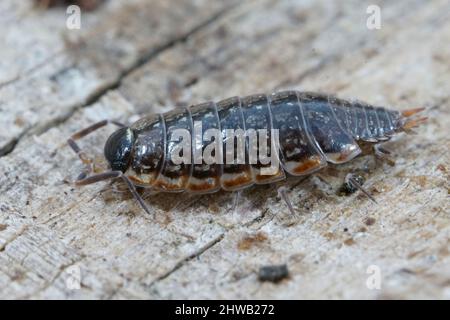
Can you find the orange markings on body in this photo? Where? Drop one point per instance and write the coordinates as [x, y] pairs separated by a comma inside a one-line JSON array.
[[205, 186], [343, 155], [311, 163], [167, 186], [264, 177], [138, 180], [236, 182]]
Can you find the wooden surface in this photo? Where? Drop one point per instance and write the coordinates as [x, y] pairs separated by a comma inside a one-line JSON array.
[[149, 56]]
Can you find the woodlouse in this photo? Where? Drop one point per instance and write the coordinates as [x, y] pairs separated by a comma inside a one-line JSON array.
[[314, 129]]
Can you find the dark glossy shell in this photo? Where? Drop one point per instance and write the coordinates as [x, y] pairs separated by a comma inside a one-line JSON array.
[[314, 129]]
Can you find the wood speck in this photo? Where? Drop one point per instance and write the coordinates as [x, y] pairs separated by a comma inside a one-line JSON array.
[[249, 241], [273, 273]]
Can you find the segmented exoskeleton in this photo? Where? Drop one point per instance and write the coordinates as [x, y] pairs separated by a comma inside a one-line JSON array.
[[314, 129]]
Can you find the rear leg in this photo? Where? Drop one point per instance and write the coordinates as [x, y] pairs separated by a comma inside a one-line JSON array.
[[383, 155], [353, 182], [236, 198], [377, 151], [283, 190], [282, 193]]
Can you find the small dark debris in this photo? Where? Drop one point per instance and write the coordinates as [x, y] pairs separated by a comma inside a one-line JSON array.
[[191, 81], [369, 221], [442, 167], [3, 227], [221, 32], [274, 273], [406, 271]]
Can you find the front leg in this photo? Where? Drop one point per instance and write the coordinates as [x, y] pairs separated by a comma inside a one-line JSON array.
[[85, 159]]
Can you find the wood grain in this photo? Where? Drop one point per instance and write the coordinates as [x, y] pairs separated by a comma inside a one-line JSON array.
[[149, 56]]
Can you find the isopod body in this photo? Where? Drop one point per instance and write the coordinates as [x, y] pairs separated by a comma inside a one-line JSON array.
[[313, 130]]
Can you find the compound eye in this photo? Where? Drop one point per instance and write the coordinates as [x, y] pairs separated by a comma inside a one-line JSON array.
[[118, 149]]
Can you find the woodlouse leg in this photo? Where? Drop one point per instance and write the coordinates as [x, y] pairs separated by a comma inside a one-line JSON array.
[[113, 175], [237, 196], [282, 192], [149, 193], [383, 155], [350, 179], [82, 133]]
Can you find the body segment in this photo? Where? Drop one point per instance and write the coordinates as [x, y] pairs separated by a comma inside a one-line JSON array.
[[235, 174]]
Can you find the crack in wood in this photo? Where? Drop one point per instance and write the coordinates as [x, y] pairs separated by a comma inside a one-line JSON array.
[[190, 257], [202, 250], [97, 95], [33, 69], [22, 230], [48, 284]]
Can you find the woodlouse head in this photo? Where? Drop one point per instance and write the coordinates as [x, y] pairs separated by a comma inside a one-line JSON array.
[[118, 149]]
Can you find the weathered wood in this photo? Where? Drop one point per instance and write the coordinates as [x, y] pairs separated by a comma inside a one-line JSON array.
[[72, 68], [195, 247]]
